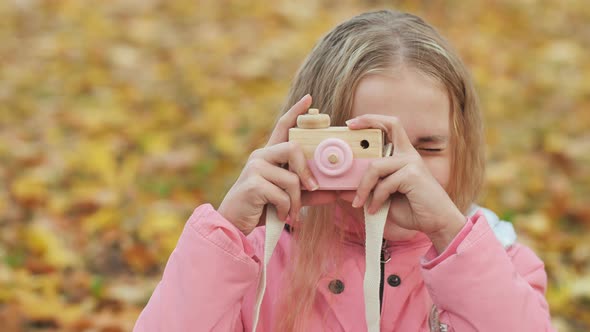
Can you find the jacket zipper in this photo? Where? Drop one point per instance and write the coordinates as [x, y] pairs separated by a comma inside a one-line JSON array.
[[385, 258]]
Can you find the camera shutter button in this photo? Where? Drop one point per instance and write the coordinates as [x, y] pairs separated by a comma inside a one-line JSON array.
[[313, 119]]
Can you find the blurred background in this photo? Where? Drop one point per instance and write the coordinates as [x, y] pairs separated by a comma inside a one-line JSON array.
[[118, 118]]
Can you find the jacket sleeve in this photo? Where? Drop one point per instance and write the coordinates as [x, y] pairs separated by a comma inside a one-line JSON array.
[[205, 279], [477, 285]]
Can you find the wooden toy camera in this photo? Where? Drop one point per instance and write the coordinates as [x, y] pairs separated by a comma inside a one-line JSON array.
[[337, 156]]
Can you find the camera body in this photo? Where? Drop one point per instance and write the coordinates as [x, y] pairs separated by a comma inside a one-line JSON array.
[[337, 156]]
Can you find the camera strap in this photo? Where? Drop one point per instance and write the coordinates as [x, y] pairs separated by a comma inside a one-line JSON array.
[[374, 225]]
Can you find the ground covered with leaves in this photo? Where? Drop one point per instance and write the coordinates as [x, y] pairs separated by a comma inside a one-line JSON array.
[[118, 118]]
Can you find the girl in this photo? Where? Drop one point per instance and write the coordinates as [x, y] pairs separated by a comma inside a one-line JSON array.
[[445, 264]]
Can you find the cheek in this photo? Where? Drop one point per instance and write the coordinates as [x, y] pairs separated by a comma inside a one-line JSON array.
[[440, 168]]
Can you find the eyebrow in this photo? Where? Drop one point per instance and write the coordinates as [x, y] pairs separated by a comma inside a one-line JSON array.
[[432, 139]]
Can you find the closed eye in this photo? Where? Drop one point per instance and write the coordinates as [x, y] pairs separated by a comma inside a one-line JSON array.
[[430, 150]]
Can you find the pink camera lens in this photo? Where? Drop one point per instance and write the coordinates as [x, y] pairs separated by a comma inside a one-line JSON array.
[[333, 157]]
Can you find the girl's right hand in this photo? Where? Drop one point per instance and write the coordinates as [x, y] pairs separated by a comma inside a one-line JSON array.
[[263, 180]]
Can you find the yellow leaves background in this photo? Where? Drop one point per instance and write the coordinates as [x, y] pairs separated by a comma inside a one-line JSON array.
[[118, 118]]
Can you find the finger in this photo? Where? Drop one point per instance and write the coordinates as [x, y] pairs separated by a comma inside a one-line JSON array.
[[378, 169], [285, 180], [275, 196], [390, 124], [384, 189], [291, 153], [289, 120]]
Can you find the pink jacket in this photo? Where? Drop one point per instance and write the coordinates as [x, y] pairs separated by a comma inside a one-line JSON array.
[[210, 281]]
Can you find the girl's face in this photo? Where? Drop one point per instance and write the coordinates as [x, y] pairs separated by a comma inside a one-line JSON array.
[[423, 107]]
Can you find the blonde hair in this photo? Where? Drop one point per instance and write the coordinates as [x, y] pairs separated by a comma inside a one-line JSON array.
[[371, 43]]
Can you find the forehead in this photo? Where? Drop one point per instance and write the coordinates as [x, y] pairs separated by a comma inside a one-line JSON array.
[[420, 102]]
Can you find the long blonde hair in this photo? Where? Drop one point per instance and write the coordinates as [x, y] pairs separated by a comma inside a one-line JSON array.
[[369, 43]]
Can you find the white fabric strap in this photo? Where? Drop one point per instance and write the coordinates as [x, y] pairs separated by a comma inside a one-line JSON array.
[[375, 224], [274, 228]]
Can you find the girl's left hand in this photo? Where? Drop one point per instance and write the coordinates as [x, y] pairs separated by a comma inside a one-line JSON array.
[[418, 201]]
